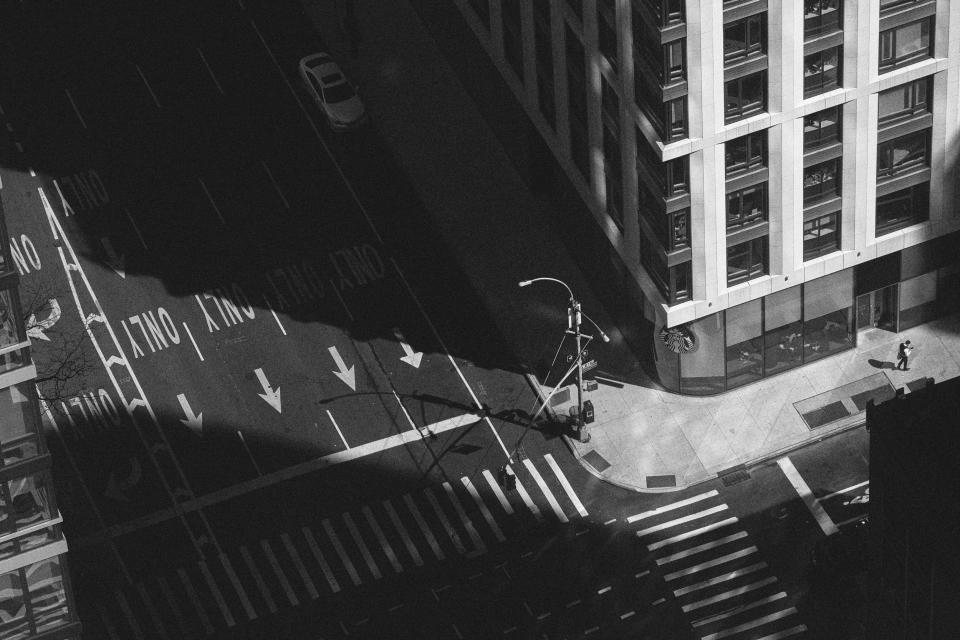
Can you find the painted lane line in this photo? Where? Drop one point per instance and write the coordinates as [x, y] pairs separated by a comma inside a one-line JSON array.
[[671, 506], [131, 619], [276, 186], [217, 596], [681, 520], [337, 427], [395, 607], [641, 574], [258, 579], [731, 575], [321, 559], [402, 530], [478, 545], [604, 590], [364, 551], [192, 341], [609, 522], [693, 533], [483, 509], [566, 486], [18, 146], [212, 202], [278, 572], [534, 509], [741, 553], [213, 76], [591, 630], [343, 302], [107, 622], [842, 491], [546, 491], [149, 88], [275, 318], [628, 614], [195, 599], [135, 228], [751, 624], [790, 471], [299, 566], [172, 604], [241, 593], [75, 109], [444, 522], [726, 595], [341, 552], [572, 603], [424, 529], [406, 413], [740, 609], [497, 491], [702, 547], [658, 601], [382, 539]]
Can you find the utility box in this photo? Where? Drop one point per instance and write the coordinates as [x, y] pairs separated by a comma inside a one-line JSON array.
[[587, 412]]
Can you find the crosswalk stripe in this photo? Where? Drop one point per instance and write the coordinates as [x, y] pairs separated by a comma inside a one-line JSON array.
[[786, 633], [402, 530], [739, 591], [702, 547], [497, 491], [258, 579], [682, 520], [125, 607], [751, 624], [731, 575], [483, 509], [738, 610], [321, 560], [364, 551], [418, 517], [298, 564], [465, 519], [693, 533], [195, 599], [566, 485], [278, 571], [111, 630], [217, 596], [382, 539], [672, 506], [232, 576], [710, 563], [534, 509], [546, 491], [341, 552], [432, 499], [152, 610], [842, 491], [790, 471], [172, 603]]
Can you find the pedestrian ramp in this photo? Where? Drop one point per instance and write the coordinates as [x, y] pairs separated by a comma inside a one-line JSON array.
[[372, 543], [715, 572]]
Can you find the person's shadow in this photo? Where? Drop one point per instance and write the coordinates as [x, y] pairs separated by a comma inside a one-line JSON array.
[[881, 364]]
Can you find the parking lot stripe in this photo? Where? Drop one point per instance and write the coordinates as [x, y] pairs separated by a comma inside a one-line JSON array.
[[497, 491], [298, 564], [672, 506], [710, 563], [566, 485], [693, 533], [258, 579], [232, 576], [172, 603], [534, 509], [465, 519], [321, 560], [702, 547], [278, 571], [131, 619], [364, 551], [217, 596], [824, 520], [432, 499], [402, 530], [382, 539], [483, 509], [546, 491], [195, 599], [341, 552]]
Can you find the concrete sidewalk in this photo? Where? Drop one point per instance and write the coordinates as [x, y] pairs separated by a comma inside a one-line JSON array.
[[643, 438]]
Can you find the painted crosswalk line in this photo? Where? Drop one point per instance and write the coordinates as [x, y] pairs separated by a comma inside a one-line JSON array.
[[444, 521], [382, 539], [738, 610], [706, 546], [341, 552], [299, 566], [561, 516], [362, 546], [152, 611], [278, 572], [217, 596], [672, 506], [699, 515], [741, 553], [826, 523], [424, 529], [171, 602], [692, 534], [752, 624], [478, 545], [404, 534], [484, 511], [568, 489], [131, 619], [525, 496], [195, 599], [258, 579], [321, 559], [497, 491], [241, 593]]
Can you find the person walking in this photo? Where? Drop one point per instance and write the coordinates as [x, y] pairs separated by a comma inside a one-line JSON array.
[[903, 355]]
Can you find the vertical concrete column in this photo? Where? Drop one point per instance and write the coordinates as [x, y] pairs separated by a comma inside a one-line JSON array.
[[861, 34], [778, 215], [938, 150], [949, 13], [628, 136], [594, 86], [558, 27]]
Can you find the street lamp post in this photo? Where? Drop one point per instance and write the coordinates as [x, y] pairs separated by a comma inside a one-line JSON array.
[[574, 320]]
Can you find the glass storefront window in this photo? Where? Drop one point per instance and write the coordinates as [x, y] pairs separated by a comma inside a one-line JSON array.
[[949, 295], [918, 300], [18, 423], [702, 370], [34, 600], [828, 315], [783, 335], [667, 363], [744, 355], [24, 502]]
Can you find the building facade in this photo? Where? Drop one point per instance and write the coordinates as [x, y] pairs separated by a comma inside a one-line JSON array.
[[776, 176], [35, 595]]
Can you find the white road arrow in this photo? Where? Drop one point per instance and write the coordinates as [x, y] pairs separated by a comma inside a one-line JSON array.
[[113, 261], [347, 376], [35, 328], [270, 396], [193, 422], [412, 357]]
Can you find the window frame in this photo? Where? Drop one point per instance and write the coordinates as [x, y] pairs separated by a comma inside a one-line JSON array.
[[893, 224], [814, 23], [825, 79], [674, 71], [821, 248], [755, 145], [744, 110], [675, 119], [742, 220], [916, 106], [888, 60], [754, 42], [888, 169], [819, 194], [821, 140], [753, 246]]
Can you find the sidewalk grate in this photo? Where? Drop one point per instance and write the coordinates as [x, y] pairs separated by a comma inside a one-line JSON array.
[[918, 384], [597, 461], [877, 394], [734, 475], [660, 482], [825, 414]]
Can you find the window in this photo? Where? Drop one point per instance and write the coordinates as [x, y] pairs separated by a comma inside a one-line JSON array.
[[672, 230], [747, 206], [674, 67], [821, 71], [903, 208], [821, 236], [827, 315], [745, 38], [821, 181], [14, 345], [905, 101], [821, 16], [677, 174], [746, 260], [745, 96], [673, 282], [744, 353], [887, 5], [821, 128], [676, 118], [679, 229], [903, 154], [667, 12], [783, 331], [745, 153], [906, 44]]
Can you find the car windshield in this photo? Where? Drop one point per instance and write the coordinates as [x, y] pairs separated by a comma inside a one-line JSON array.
[[338, 93]]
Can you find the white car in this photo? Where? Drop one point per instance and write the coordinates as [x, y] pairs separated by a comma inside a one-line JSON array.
[[336, 97]]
